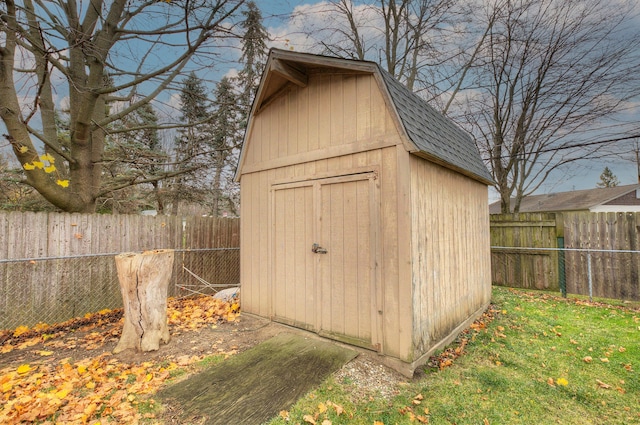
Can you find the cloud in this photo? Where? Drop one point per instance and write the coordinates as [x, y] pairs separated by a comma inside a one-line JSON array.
[[312, 27]]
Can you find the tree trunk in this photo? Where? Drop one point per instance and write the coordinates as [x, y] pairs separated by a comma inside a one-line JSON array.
[[144, 279]]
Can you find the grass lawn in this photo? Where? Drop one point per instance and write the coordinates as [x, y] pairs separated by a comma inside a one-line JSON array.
[[542, 360]]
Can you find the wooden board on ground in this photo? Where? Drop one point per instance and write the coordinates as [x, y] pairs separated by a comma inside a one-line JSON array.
[[252, 387]]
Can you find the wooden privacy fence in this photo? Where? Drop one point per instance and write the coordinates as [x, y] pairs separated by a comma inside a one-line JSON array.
[[583, 253], [57, 266]]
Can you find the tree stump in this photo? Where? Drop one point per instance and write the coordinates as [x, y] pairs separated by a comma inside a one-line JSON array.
[[144, 279]]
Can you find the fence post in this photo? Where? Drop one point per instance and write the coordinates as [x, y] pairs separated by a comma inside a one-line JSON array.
[[590, 277], [562, 277]]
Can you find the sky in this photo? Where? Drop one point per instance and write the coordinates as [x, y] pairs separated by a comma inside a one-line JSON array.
[[584, 175], [287, 34]]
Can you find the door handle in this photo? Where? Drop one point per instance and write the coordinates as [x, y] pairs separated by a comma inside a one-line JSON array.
[[317, 249]]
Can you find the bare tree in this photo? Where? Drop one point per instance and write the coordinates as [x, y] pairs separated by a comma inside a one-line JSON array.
[[411, 39], [101, 51], [549, 72]]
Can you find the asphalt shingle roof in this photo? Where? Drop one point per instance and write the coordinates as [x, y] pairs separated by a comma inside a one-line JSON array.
[[575, 200], [433, 133]]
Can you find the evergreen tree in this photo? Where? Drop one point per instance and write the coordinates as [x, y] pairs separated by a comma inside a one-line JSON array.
[[224, 140], [254, 55], [607, 179], [134, 154], [191, 144]]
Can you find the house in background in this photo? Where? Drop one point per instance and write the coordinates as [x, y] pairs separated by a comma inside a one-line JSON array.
[[364, 214], [609, 199]]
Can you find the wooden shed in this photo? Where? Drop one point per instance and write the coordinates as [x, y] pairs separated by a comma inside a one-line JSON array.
[[364, 212]]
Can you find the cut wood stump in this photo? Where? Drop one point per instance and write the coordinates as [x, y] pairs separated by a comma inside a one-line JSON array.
[[144, 279]]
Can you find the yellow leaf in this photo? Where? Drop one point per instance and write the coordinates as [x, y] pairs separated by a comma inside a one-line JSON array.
[[23, 149], [562, 381], [22, 369], [50, 169], [38, 164], [28, 166], [7, 386], [149, 377], [62, 393], [82, 369], [20, 330], [47, 157], [378, 423], [45, 353], [63, 183], [322, 408], [91, 385]]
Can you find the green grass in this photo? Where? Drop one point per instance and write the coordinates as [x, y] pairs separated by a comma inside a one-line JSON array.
[[512, 372]]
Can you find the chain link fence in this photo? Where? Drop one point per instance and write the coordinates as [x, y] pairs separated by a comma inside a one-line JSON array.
[[613, 274], [54, 289]]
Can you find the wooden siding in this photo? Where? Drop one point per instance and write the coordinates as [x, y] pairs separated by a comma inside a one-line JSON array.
[[334, 115], [450, 251], [257, 254]]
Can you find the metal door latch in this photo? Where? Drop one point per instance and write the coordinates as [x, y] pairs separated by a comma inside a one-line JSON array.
[[317, 249]]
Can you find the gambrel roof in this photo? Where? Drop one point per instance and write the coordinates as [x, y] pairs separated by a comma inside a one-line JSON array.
[[426, 132]]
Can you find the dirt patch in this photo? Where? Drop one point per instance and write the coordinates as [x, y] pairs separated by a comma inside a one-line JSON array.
[[254, 386], [190, 343], [93, 341]]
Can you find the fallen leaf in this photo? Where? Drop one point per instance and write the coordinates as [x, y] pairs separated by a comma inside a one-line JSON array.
[[309, 419], [562, 381], [550, 382], [604, 360], [20, 330], [22, 369], [587, 359], [602, 384], [284, 414], [326, 422]]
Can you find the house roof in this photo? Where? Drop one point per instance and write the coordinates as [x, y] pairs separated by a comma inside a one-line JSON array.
[[577, 200], [427, 132], [435, 135]]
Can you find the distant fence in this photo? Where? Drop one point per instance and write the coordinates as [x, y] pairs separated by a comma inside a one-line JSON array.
[[57, 266], [581, 253]]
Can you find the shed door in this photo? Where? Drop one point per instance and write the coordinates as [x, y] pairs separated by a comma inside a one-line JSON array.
[[332, 293]]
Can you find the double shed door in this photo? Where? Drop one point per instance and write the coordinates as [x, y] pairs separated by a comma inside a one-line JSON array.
[[324, 235]]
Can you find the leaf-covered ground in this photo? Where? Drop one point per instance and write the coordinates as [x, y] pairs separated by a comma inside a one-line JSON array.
[[531, 358], [66, 374]]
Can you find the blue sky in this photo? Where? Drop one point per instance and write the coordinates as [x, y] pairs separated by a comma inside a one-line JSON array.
[[286, 35]]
